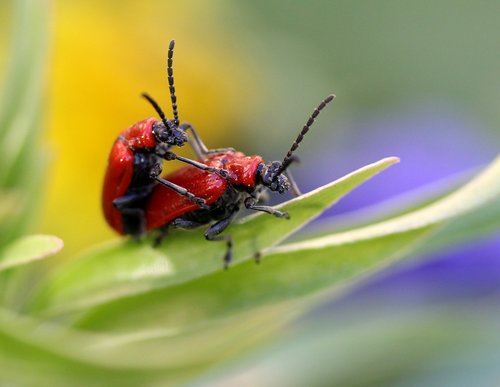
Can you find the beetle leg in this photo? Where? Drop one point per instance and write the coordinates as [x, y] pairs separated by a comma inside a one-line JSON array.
[[134, 222], [212, 234], [257, 257], [200, 202], [250, 203], [133, 217], [293, 184], [186, 224], [162, 234], [221, 172], [198, 146], [178, 223], [127, 201]]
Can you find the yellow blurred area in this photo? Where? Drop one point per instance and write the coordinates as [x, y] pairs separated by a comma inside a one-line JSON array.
[[104, 55]]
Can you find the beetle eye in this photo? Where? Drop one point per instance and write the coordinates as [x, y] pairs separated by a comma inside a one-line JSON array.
[[160, 131]]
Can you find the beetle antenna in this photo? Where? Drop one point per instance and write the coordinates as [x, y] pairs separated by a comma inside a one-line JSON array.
[[170, 76], [157, 108], [289, 158]]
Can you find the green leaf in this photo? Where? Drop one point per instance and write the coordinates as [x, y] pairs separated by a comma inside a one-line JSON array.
[[20, 111], [118, 269], [18, 271], [57, 356], [299, 269], [483, 192], [28, 249], [107, 272], [48, 356], [449, 344]]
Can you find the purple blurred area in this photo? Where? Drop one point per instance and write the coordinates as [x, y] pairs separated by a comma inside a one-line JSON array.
[[464, 273], [433, 143]]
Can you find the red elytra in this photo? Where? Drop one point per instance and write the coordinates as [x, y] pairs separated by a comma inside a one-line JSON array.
[[120, 170], [165, 205], [135, 163]]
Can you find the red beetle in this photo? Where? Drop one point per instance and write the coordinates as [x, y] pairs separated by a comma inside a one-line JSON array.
[[136, 160], [224, 197]]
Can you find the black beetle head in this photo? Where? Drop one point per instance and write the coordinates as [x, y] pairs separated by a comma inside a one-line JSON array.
[[169, 134], [272, 178]]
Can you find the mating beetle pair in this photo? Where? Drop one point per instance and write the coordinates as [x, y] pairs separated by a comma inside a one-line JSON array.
[[210, 191], [135, 164]]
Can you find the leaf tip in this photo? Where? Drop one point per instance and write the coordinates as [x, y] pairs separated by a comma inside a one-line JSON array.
[[392, 160], [28, 249]]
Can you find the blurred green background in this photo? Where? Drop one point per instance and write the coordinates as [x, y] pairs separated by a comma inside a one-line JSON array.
[[418, 80]]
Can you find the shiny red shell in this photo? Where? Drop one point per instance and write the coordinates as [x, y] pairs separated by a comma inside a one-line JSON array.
[[121, 167], [164, 205]]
